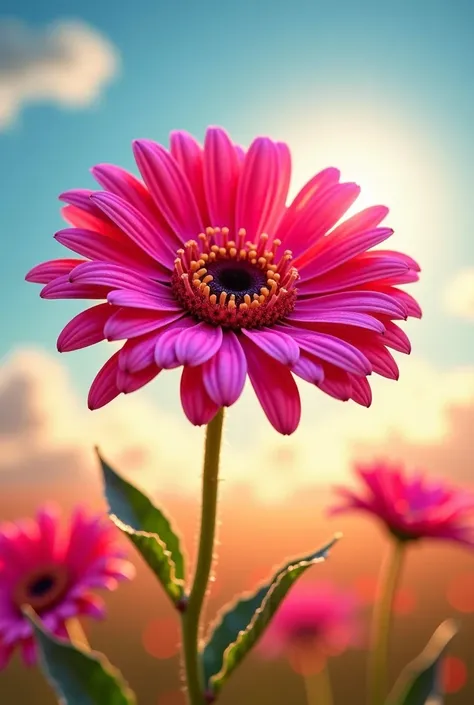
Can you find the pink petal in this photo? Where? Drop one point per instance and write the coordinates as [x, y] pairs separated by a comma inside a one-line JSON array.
[[409, 261], [116, 276], [137, 354], [123, 184], [47, 271], [221, 176], [368, 267], [336, 383], [349, 318], [360, 300], [331, 349], [382, 361], [197, 404], [98, 247], [224, 374], [276, 344], [320, 214], [139, 229], [263, 187], [84, 214], [395, 338], [361, 391], [403, 298], [81, 198], [47, 518], [130, 382], [320, 182], [165, 346], [131, 323], [364, 220], [275, 388], [198, 344], [308, 369], [63, 288], [91, 605], [189, 156], [87, 328], [334, 250], [145, 301], [284, 167], [104, 387], [170, 189]]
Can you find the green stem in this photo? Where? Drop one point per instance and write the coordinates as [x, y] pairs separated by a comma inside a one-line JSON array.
[[318, 688], [191, 615], [76, 634], [381, 622]]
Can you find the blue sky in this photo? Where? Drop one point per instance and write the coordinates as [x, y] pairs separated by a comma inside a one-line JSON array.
[[256, 66]]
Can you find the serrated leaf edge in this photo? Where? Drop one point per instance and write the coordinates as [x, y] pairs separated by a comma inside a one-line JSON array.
[[96, 656], [288, 568], [117, 474], [130, 531]]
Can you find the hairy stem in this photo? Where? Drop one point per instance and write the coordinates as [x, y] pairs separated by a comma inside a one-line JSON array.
[[192, 614]]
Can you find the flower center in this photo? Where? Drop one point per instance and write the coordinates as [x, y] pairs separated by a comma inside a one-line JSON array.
[[42, 589], [234, 283]]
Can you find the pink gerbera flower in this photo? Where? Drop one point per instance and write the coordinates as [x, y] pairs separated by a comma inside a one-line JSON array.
[[55, 574], [316, 621], [204, 266], [413, 507]]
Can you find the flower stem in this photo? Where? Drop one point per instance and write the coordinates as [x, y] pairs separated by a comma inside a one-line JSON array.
[[318, 688], [381, 621], [191, 615], [76, 634]]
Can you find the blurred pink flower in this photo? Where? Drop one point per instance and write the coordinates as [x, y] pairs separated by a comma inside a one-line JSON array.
[[202, 265], [316, 621], [411, 507], [55, 574]]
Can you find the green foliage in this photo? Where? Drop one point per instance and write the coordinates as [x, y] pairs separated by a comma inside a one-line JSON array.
[[420, 682], [147, 528], [78, 678], [241, 625]]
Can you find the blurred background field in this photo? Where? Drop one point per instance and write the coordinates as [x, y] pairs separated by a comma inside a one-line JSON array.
[[141, 635], [381, 90]]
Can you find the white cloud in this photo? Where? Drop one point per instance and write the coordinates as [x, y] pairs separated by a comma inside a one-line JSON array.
[[67, 63], [43, 418], [458, 296]]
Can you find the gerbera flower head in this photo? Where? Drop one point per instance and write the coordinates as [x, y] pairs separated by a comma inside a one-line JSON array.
[[55, 573], [202, 265], [411, 506], [315, 621]]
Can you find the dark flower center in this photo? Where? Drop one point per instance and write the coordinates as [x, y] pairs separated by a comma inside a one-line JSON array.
[[237, 278], [41, 586], [234, 283]]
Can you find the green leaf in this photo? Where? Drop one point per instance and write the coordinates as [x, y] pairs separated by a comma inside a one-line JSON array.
[[420, 681], [78, 678], [241, 625], [147, 528]]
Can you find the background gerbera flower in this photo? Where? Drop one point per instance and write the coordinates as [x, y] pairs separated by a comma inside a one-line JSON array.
[[56, 574], [316, 621], [202, 265], [411, 506]]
